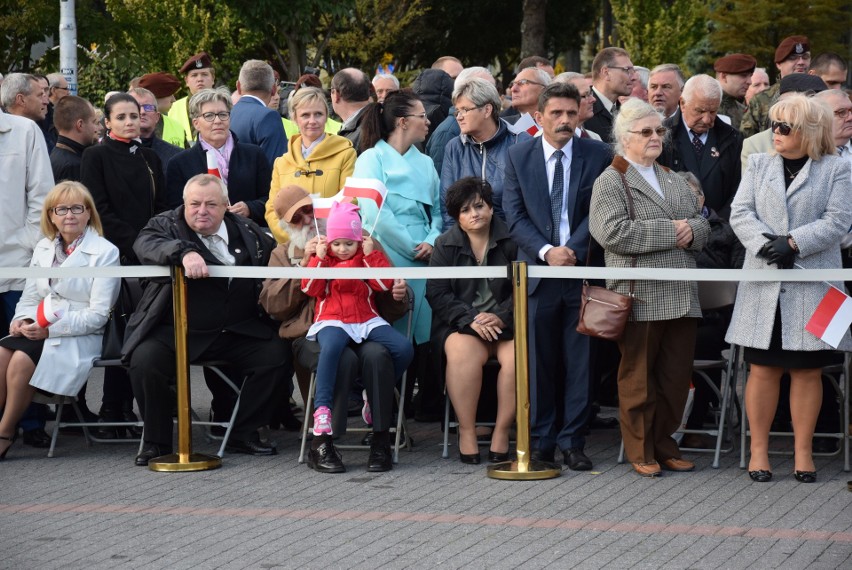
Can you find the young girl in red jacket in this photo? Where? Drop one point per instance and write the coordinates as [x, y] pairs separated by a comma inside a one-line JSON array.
[[346, 308]]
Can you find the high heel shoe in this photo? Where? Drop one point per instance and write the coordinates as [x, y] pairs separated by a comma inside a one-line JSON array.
[[761, 476], [497, 457], [470, 458], [805, 476], [11, 440]]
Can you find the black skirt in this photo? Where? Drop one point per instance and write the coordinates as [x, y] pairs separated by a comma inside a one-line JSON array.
[[31, 348], [778, 357]]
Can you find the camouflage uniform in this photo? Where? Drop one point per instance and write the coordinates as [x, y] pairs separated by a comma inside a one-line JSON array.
[[756, 118], [733, 108]]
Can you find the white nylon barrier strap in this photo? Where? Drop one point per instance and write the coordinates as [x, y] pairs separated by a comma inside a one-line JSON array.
[[533, 271]]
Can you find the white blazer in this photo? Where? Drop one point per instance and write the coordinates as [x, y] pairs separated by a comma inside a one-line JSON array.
[[75, 339]]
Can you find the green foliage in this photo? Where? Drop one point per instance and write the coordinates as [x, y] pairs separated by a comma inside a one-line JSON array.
[[655, 31], [758, 26], [23, 24]]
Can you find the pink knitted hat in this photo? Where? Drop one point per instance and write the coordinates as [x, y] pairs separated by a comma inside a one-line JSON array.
[[343, 222]]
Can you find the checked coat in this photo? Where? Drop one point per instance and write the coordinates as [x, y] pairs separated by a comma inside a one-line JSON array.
[[815, 210], [650, 237]]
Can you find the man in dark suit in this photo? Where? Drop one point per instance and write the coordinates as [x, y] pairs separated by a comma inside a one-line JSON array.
[[546, 199], [613, 76], [223, 315], [251, 120], [704, 144]]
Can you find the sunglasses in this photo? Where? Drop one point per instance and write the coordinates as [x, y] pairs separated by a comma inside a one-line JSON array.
[[781, 128], [648, 131]]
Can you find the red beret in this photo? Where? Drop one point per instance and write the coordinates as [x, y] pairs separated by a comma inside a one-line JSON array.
[[736, 63], [792, 45], [198, 61], [161, 84], [308, 80]]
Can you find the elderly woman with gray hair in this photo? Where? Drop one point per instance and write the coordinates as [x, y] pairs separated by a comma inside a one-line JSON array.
[[481, 148], [243, 168], [791, 209], [646, 216]]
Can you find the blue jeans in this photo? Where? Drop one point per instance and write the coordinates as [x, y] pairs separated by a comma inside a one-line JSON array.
[[333, 340]]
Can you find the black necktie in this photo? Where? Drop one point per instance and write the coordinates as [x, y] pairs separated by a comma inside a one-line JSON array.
[[557, 190], [696, 142]]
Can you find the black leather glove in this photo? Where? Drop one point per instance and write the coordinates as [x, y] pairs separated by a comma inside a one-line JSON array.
[[777, 251]]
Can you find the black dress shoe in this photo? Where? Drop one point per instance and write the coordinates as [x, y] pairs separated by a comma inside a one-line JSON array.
[[599, 422], [325, 458], [760, 476], [250, 446], [547, 455], [380, 459], [576, 460], [149, 452], [805, 476], [497, 457], [470, 458], [36, 438]]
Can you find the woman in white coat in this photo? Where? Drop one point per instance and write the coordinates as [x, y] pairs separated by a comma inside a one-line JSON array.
[[791, 209], [57, 329]]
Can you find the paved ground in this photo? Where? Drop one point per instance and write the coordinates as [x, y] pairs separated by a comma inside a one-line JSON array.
[[92, 508]]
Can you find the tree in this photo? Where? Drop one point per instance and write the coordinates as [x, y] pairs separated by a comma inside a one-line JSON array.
[[22, 25], [656, 32], [758, 26], [533, 27]]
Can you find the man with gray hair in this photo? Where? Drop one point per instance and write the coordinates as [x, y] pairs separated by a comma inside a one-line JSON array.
[[449, 127], [704, 144], [384, 83], [222, 316], [251, 120], [22, 94], [665, 85]]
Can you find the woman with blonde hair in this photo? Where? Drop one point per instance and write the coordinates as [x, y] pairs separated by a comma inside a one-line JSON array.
[[791, 210], [317, 161], [70, 311]]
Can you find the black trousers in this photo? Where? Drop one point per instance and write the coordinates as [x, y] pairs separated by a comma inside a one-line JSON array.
[[152, 371]]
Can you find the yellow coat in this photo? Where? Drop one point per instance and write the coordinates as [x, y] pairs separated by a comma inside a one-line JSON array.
[[334, 156]]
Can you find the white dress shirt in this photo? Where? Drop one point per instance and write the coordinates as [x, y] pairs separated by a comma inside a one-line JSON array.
[[550, 166]]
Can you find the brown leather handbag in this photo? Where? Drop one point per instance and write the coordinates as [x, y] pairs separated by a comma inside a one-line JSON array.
[[604, 313]]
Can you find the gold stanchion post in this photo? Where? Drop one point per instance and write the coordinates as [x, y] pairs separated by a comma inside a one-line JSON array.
[[523, 469], [184, 459]]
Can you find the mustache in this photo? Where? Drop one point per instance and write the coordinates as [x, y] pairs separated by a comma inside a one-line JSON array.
[[564, 129]]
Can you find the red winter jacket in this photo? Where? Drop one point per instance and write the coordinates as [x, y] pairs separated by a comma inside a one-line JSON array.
[[347, 300]]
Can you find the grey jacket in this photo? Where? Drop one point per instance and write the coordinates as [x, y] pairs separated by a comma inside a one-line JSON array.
[[815, 210]]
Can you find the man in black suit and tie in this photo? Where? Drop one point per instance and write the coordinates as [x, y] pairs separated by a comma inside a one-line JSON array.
[[704, 144], [225, 322], [546, 198], [613, 76]]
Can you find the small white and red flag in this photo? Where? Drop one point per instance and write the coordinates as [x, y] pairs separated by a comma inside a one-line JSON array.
[[49, 312], [322, 206], [213, 165], [832, 317], [365, 188], [524, 124]]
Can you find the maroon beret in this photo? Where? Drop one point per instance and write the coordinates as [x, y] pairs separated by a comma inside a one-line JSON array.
[[792, 45], [736, 63], [198, 61], [161, 84], [308, 80]]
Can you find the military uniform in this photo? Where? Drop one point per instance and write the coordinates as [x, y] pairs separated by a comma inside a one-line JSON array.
[[733, 109], [756, 117]]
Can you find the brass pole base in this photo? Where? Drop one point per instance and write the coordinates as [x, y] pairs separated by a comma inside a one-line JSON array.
[[193, 462], [517, 471]]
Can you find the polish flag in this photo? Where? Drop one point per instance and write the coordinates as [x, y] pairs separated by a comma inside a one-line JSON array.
[[212, 165], [322, 206], [365, 188], [832, 317], [524, 124], [47, 313]]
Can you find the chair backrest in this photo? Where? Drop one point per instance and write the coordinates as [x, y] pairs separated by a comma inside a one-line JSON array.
[[716, 294]]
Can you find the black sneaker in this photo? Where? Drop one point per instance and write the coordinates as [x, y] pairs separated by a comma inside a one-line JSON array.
[[380, 459], [325, 458]]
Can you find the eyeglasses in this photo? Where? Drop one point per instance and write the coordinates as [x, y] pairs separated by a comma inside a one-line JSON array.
[[62, 88], [75, 209], [151, 109], [627, 70], [648, 131], [222, 115], [523, 82], [843, 113], [418, 115], [588, 95], [462, 111], [781, 128]]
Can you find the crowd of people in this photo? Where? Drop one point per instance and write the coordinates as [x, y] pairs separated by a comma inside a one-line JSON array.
[[623, 166]]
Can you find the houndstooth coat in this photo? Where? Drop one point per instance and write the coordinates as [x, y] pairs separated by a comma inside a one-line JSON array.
[[816, 211], [650, 237]]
